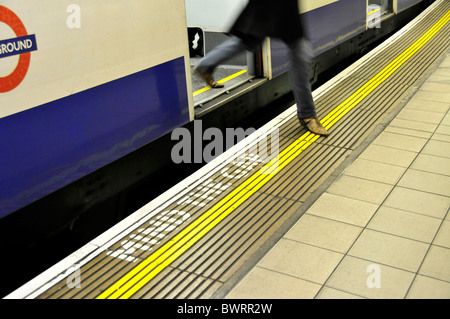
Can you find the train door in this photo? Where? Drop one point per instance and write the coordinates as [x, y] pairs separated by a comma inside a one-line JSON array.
[[208, 22], [377, 11]]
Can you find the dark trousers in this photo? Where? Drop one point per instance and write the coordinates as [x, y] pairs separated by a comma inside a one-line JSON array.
[[301, 54]]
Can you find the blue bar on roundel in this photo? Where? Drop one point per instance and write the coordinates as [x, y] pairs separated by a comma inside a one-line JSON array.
[[15, 46]]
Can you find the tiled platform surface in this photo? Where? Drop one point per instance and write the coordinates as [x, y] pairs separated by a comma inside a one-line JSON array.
[[382, 229]]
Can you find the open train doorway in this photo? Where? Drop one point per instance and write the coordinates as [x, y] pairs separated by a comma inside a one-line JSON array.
[[208, 23], [378, 10]]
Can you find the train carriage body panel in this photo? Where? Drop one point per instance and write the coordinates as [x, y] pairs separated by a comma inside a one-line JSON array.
[[405, 4], [105, 80]]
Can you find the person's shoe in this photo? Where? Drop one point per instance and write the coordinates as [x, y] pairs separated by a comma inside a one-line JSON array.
[[209, 79], [313, 125]]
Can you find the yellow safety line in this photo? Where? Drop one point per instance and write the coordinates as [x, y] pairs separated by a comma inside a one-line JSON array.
[[373, 11], [221, 81], [366, 89], [164, 256]]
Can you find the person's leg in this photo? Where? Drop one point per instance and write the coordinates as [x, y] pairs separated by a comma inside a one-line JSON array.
[[220, 53], [301, 54]]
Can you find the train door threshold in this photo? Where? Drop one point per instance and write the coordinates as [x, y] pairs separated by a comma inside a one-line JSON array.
[[237, 81]]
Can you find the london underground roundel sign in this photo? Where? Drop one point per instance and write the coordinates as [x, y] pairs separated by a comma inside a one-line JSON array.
[[21, 45]]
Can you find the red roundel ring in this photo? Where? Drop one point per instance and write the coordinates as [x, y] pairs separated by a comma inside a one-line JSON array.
[[11, 81]]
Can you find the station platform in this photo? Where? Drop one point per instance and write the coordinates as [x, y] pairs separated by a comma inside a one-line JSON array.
[[286, 214], [382, 229]]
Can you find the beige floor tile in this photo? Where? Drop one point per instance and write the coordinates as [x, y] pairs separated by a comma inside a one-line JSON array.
[[436, 87], [432, 96], [301, 260], [401, 142], [432, 164], [419, 129], [442, 76], [436, 263], [441, 137], [443, 130], [429, 106], [437, 148], [324, 233], [420, 116], [262, 283], [390, 250], [331, 293], [388, 155], [405, 224], [443, 71], [429, 288], [361, 189], [415, 132], [427, 182], [446, 120], [370, 280], [375, 171], [343, 209], [445, 62], [444, 67], [418, 202], [443, 236]]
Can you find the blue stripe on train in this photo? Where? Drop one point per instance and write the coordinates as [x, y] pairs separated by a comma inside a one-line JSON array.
[[50, 146]]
